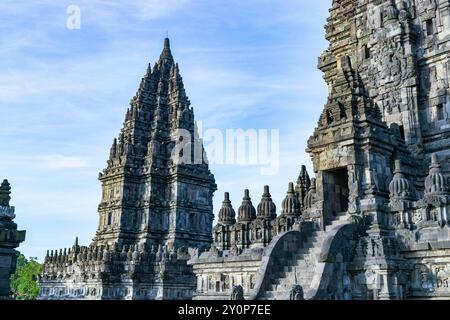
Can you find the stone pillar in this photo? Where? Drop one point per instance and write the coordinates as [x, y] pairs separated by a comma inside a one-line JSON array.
[[10, 238]]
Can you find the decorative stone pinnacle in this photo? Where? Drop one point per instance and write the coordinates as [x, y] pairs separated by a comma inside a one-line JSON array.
[[246, 211], [398, 166], [436, 182], [5, 193], [434, 161], [166, 53], [291, 204], [291, 187], [226, 213], [313, 184]]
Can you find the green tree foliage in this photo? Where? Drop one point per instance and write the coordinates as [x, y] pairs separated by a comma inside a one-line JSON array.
[[24, 282]]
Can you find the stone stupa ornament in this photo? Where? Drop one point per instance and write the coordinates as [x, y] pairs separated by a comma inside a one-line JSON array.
[[5, 191], [10, 238], [6, 211]]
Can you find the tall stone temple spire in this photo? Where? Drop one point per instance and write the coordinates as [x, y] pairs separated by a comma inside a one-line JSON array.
[[156, 200], [149, 196]]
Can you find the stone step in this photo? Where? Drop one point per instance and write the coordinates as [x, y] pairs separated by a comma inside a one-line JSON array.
[[340, 219], [276, 295], [338, 222], [300, 274], [298, 257], [288, 282], [300, 266], [268, 295], [335, 224], [308, 244], [305, 283], [317, 242], [313, 255], [279, 287], [278, 274], [303, 256], [291, 276], [317, 233]]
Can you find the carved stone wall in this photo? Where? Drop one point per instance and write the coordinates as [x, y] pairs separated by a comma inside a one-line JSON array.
[[400, 50]]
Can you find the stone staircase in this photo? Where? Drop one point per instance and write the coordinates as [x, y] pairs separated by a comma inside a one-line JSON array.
[[302, 266]]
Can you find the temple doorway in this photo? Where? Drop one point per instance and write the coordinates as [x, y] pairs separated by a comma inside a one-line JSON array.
[[336, 191]]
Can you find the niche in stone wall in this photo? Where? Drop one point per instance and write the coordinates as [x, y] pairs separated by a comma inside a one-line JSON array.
[[429, 27], [398, 130], [336, 192], [109, 218], [366, 51], [440, 115]]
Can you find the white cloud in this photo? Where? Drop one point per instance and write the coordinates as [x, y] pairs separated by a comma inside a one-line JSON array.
[[58, 161], [112, 15]]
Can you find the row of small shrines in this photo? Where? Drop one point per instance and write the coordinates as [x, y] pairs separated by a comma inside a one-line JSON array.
[[104, 254], [409, 208], [256, 227]]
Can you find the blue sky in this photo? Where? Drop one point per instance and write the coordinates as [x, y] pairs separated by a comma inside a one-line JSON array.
[[63, 94]]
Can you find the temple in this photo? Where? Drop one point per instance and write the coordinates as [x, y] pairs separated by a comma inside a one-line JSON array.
[[371, 222], [374, 223], [156, 204]]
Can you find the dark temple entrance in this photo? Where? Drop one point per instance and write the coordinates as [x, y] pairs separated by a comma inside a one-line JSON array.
[[335, 184]]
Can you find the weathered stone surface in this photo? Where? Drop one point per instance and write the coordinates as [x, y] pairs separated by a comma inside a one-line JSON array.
[[10, 238], [372, 224], [379, 216], [154, 207]]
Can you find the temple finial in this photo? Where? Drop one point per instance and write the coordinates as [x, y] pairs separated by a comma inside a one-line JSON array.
[[5, 193], [435, 161], [291, 187], [398, 166], [166, 53]]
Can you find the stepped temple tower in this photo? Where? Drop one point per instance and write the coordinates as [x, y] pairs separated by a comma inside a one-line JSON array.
[[373, 222], [10, 238], [156, 203]]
